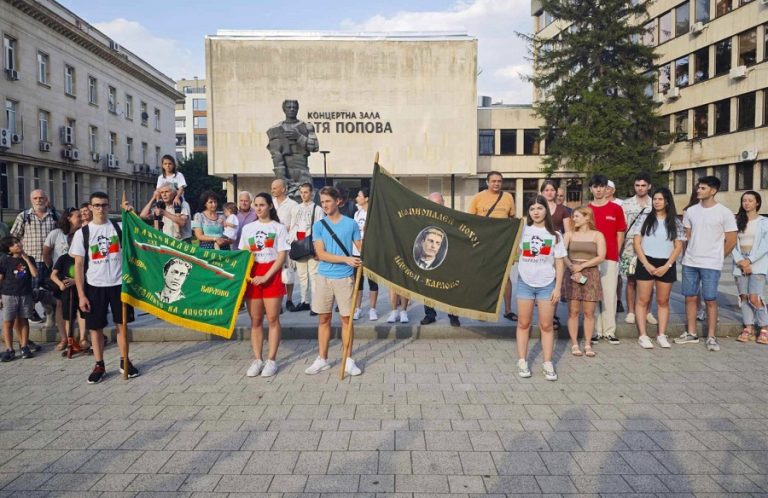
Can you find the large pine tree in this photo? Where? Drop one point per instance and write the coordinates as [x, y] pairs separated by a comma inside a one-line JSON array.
[[592, 79]]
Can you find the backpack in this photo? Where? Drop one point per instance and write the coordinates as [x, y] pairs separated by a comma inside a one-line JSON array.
[[28, 216]]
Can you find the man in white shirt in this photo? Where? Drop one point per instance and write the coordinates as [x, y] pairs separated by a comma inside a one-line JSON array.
[[710, 229], [161, 208], [284, 206], [302, 218]]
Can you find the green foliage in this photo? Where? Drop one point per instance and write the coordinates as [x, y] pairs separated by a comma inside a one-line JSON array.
[[195, 169], [592, 78]]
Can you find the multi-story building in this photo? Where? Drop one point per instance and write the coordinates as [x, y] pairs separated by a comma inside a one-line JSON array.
[[191, 118], [712, 84], [81, 112]]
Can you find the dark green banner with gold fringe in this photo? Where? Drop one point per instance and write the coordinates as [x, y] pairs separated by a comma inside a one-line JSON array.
[[199, 289], [453, 261]]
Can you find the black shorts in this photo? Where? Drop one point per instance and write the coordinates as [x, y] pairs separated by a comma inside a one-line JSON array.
[[101, 298], [372, 286], [642, 274], [70, 305]]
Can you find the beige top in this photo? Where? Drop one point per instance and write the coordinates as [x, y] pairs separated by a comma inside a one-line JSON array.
[[582, 250]]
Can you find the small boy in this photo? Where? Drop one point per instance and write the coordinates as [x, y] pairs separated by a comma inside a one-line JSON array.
[[16, 273], [231, 224]]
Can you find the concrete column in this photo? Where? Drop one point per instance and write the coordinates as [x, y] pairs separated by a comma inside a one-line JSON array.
[[518, 196]]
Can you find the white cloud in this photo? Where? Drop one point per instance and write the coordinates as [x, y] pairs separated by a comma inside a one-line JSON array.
[[165, 54], [501, 53]]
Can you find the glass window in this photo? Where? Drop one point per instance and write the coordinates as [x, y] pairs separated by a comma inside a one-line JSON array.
[[664, 77], [157, 119], [144, 115], [20, 185], [665, 27], [681, 126], [112, 143], [9, 52], [700, 121], [157, 157], [129, 149], [745, 175], [93, 139], [765, 107], [508, 142], [746, 110], [200, 122], [722, 116], [681, 72], [44, 118], [648, 89], [64, 188], [128, 106], [35, 177], [199, 104], [722, 57], [202, 141], [649, 37], [181, 139], [11, 110], [93, 90], [721, 172], [144, 149], [531, 142], [112, 99], [4, 185], [485, 145], [69, 80], [701, 65], [43, 68], [697, 174], [680, 178], [744, 2], [682, 18], [764, 175], [72, 124], [722, 7], [702, 10], [748, 47], [181, 122]]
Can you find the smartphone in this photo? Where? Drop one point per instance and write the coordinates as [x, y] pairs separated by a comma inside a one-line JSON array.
[[582, 280]]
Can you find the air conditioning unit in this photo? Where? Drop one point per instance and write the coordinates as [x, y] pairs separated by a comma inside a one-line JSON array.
[[5, 138], [112, 161], [12, 74], [114, 46], [137, 168], [673, 93], [697, 28], [45, 146], [67, 135], [95, 156], [738, 73], [66, 154], [748, 155], [74, 154], [15, 138]]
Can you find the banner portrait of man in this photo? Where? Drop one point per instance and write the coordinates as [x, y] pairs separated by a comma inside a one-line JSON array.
[[175, 272], [430, 248]]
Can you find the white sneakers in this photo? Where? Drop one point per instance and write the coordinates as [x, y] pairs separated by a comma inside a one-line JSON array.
[[630, 318], [403, 316], [549, 371], [396, 315], [663, 341], [645, 342], [255, 368], [524, 372], [356, 314], [372, 315], [393, 316], [270, 368], [265, 368], [522, 369], [321, 364]]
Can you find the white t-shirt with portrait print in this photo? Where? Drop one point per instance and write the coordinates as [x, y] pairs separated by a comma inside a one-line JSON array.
[[105, 258], [264, 240], [538, 250]]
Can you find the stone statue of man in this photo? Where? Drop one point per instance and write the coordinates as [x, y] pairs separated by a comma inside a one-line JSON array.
[[290, 143]]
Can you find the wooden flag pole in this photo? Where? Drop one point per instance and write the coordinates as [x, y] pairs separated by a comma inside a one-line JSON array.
[[348, 333], [125, 310]]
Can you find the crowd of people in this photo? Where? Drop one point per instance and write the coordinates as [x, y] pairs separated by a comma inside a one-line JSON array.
[[575, 256]]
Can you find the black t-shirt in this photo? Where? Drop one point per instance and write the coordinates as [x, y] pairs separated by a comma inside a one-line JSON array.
[[17, 279], [65, 266]]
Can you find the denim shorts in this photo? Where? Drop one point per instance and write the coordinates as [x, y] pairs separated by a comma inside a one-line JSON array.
[[751, 284], [525, 291], [707, 279], [17, 307]]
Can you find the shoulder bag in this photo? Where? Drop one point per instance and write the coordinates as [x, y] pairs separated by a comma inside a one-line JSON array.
[[304, 248]]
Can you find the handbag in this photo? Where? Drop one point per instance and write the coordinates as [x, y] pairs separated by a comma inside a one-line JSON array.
[[627, 263], [304, 248]]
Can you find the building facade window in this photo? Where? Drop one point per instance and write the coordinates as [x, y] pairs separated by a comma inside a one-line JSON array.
[[721, 172], [681, 126], [9, 53], [698, 173], [21, 198], [748, 47], [682, 18], [44, 118], [4, 185], [700, 122], [722, 116], [199, 122], [129, 149], [722, 57], [201, 140], [681, 72], [181, 139], [702, 10], [144, 149], [722, 7], [11, 111], [93, 139], [680, 181], [72, 124], [69, 80], [112, 99], [665, 27], [35, 178], [157, 119], [486, 143], [745, 176], [508, 145], [746, 111], [144, 115], [64, 188], [764, 175], [199, 104], [701, 65], [43, 68], [93, 90], [649, 37], [664, 78], [51, 185], [128, 106], [181, 122], [157, 157], [531, 142], [112, 143]]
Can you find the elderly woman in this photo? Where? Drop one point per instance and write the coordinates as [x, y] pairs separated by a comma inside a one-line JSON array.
[[208, 225]]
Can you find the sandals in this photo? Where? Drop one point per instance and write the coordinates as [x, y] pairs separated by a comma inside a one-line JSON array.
[[511, 316], [746, 335], [763, 337], [575, 351], [588, 352], [61, 346]]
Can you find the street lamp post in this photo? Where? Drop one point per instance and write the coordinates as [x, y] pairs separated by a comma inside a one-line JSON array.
[[325, 167]]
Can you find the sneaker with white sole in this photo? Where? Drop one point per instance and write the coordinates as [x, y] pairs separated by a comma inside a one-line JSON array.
[[318, 366], [645, 342], [255, 368], [701, 315], [687, 338], [712, 344], [403, 316], [612, 339], [549, 370], [393, 316], [356, 314], [651, 319], [522, 369], [351, 368], [630, 318], [270, 368], [663, 341], [372, 315]]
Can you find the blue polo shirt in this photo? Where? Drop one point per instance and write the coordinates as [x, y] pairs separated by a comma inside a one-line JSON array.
[[347, 231]]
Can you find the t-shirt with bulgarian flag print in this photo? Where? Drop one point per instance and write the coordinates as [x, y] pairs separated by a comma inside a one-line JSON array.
[[538, 250], [105, 260], [264, 240]]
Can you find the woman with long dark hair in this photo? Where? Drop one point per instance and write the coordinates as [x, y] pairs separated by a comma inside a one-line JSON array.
[[267, 239], [750, 258], [658, 241], [540, 275]]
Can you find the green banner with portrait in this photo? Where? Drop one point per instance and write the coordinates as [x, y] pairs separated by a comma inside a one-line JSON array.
[[178, 282], [453, 261]]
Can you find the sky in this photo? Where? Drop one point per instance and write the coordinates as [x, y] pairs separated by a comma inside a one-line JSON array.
[[169, 34]]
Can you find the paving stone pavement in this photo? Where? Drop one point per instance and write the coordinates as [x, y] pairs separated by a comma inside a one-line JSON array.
[[427, 418]]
